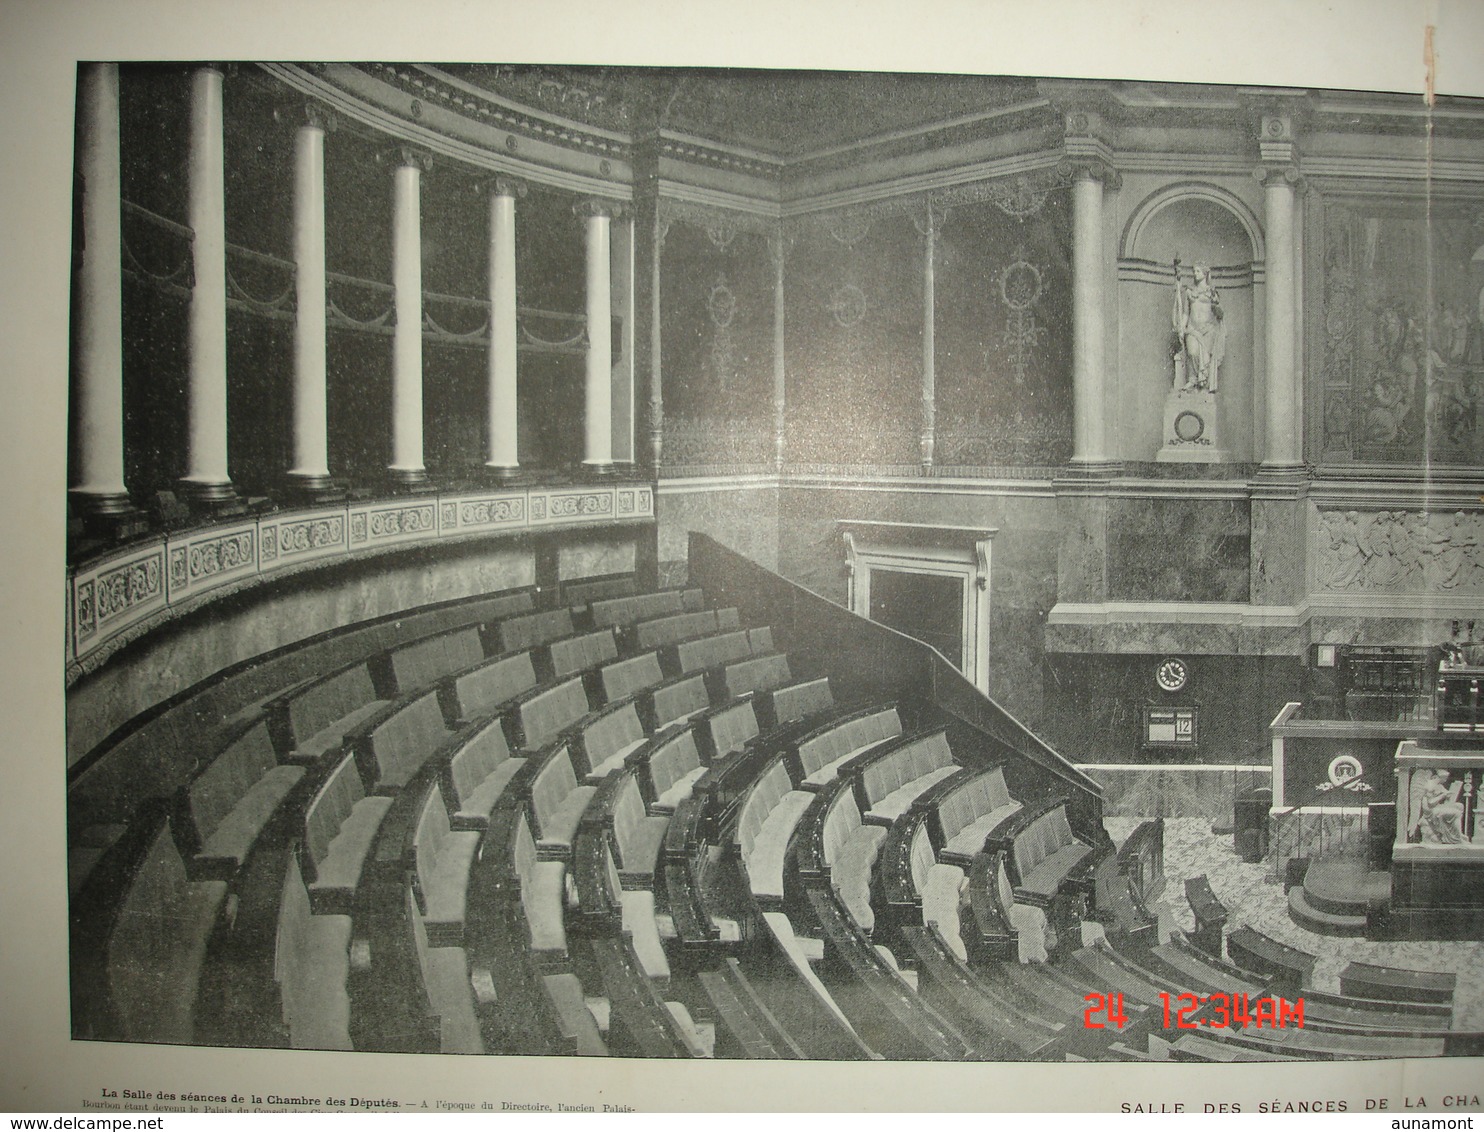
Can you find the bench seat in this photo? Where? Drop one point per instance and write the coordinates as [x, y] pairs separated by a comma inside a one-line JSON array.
[[825, 774], [233, 839], [1046, 877], [677, 792], [940, 904], [311, 965], [765, 863], [614, 761], [330, 739], [639, 921], [969, 841], [850, 873], [339, 872], [573, 1017], [543, 895], [900, 800], [444, 858], [559, 826], [639, 835], [474, 810], [446, 975]]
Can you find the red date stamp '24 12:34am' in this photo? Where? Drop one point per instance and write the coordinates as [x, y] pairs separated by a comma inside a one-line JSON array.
[[1194, 1011]]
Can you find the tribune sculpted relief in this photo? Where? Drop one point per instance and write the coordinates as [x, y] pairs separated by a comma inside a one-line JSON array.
[[1400, 551]]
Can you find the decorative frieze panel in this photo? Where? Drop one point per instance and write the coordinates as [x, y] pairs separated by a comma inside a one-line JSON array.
[[590, 505], [1399, 552], [301, 538], [204, 559], [112, 595], [107, 597], [380, 523], [493, 513]]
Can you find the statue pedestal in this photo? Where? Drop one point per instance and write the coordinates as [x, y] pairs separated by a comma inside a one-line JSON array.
[[1192, 433]]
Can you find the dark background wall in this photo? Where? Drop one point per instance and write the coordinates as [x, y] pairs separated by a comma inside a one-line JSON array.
[[1003, 335], [1093, 705], [716, 318], [854, 342]]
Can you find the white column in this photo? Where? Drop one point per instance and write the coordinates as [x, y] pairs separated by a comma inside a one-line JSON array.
[[1088, 442], [503, 454], [206, 443], [779, 247], [406, 467], [929, 438], [598, 385], [97, 301], [311, 467], [1282, 449]]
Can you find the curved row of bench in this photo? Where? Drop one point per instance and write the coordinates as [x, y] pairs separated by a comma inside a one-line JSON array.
[[628, 827]]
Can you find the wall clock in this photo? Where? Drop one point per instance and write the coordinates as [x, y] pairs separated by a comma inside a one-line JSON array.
[[1172, 674]]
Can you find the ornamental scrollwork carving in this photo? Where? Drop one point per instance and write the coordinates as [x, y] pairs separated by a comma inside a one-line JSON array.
[[847, 304], [401, 521], [1021, 286], [569, 506], [722, 226], [121, 589], [220, 555], [485, 512]]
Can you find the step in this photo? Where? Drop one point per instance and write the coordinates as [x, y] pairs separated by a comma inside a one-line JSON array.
[[1305, 915], [1344, 886]]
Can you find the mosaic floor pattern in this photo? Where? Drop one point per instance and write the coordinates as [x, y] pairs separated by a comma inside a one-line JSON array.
[[1256, 900]]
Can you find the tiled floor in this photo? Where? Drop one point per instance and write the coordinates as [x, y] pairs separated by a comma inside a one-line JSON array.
[[1253, 899]]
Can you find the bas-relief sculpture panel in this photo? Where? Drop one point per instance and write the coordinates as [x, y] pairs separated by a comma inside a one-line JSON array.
[[1399, 552], [1402, 346]]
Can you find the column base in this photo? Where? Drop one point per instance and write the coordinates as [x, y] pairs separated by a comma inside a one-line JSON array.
[[216, 498], [409, 480], [1281, 481], [1090, 471], [505, 474], [111, 516], [303, 487], [597, 471]]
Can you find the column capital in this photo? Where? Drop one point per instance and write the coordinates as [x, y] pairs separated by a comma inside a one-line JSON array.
[[311, 112], [406, 157], [1287, 172], [1090, 169], [502, 185], [600, 206]]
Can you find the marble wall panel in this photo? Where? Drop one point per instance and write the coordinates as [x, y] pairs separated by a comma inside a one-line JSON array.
[[742, 518], [1093, 710], [595, 558], [1178, 550]]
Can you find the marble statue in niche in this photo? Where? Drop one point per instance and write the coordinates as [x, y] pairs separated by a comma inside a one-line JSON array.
[[1192, 432], [1200, 326], [1435, 813]]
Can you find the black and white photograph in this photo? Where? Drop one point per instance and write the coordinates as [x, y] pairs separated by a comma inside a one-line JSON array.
[[615, 556]]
